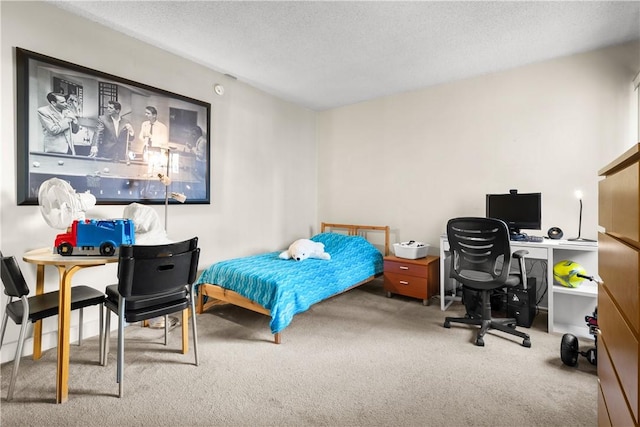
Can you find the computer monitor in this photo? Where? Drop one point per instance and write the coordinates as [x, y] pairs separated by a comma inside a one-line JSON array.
[[518, 210]]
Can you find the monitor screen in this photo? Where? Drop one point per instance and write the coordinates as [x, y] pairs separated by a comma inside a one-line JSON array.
[[518, 210]]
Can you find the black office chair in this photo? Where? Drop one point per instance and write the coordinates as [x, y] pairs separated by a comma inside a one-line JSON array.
[[481, 260], [31, 309], [153, 281]]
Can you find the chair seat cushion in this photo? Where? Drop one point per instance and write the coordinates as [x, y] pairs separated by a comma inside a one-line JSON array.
[[133, 316], [139, 303], [512, 280], [46, 305]]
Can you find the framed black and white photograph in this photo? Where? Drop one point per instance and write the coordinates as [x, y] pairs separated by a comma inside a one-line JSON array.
[[120, 140]]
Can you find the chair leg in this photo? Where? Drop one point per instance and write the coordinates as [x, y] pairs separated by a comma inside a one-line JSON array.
[[81, 322], [194, 327], [4, 326], [100, 337], [464, 320], [166, 329], [486, 325], [107, 335], [120, 368], [16, 360], [18, 356], [501, 326]]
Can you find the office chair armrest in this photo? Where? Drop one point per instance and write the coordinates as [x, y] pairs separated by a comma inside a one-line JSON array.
[[520, 255]]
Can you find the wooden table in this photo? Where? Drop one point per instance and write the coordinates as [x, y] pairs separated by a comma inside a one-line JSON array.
[[67, 266]]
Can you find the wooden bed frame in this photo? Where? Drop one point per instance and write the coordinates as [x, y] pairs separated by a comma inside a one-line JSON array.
[[219, 295]]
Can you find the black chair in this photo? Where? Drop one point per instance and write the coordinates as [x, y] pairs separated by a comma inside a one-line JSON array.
[[31, 309], [153, 281], [481, 261]]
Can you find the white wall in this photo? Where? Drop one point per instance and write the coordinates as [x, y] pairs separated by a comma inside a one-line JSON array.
[[414, 160], [263, 152]]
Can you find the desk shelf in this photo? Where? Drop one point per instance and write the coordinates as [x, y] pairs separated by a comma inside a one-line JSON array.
[[586, 289]]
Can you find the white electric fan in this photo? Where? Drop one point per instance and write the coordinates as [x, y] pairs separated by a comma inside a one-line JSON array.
[[60, 205]]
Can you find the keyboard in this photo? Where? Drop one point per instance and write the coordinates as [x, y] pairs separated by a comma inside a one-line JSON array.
[[527, 238]]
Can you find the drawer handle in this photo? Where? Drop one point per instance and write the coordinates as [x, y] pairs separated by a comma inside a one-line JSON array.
[[402, 267], [402, 282]]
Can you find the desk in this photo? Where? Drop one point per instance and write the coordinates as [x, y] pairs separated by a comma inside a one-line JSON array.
[[566, 306], [67, 266]]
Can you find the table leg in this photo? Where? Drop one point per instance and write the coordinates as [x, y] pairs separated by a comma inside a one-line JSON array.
[[185, 331], [37, 327], [64, 332]]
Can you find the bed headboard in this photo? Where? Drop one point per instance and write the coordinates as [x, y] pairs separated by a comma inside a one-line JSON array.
[[358, 230]]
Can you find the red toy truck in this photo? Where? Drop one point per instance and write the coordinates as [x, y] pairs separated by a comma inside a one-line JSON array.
[[95, 237]]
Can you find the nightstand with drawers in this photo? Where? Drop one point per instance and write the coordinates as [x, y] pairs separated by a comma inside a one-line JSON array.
[[416, 278]]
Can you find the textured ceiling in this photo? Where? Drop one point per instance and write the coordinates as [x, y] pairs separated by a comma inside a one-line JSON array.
[[333, 53]]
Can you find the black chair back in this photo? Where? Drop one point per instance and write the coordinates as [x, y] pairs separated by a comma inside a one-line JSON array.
[[150, 270], [480, 251], [12, 278]]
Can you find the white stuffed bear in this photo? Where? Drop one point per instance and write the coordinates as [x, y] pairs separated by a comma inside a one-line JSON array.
[[302, 249]]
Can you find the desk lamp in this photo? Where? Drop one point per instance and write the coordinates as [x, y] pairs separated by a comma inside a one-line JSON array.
[[578, 194]]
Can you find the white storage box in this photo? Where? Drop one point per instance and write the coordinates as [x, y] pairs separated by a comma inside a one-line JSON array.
[[411, 249]]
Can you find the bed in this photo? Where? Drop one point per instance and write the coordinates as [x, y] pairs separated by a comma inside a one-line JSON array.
[[281, 289]]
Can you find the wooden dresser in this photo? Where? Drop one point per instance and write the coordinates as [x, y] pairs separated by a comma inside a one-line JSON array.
[[619, 294], [417, 278]]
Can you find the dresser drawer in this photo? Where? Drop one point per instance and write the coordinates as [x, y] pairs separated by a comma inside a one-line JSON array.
[[617, 412], [619, 203], [603, 413], [403, 284], [621, 353], [416, 278], [405, 268], [618, 266]]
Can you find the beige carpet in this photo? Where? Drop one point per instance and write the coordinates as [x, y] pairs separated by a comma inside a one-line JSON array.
[[359, 359]]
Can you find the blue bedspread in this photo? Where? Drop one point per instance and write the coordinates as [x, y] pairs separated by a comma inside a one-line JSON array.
[[289, 287]]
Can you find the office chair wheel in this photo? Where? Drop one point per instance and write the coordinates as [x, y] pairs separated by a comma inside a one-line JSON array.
[[480, 342], [447, 324], [526, 343]]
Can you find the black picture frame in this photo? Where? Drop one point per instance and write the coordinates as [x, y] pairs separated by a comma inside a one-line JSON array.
[[133, 170]]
